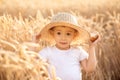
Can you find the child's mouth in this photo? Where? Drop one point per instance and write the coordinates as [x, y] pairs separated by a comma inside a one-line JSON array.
[[63, 43]]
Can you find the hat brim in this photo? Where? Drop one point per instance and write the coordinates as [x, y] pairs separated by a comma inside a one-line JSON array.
[[83, 35]]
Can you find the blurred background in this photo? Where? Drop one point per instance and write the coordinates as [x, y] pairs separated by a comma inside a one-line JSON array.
[[30, 7], [21, 20]]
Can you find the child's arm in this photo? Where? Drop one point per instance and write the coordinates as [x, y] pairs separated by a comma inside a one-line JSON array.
[[89, 64]]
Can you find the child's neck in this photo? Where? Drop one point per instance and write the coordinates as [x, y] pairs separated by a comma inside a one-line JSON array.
[[62, 48]]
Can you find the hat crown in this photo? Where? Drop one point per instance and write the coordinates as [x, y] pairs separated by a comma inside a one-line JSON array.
[[65, 17]]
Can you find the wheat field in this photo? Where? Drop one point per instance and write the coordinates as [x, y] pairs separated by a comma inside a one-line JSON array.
[[21, 20]]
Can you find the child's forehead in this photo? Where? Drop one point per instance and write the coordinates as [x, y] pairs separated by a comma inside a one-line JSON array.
[[63, 27]]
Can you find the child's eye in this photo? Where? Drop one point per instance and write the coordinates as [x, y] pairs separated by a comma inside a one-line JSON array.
[[58, 33], [68, 34]]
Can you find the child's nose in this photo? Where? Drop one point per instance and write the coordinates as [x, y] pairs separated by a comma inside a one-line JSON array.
[[63, 37]]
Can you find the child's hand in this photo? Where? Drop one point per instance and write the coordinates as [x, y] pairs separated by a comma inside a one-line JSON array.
[[95, 37]]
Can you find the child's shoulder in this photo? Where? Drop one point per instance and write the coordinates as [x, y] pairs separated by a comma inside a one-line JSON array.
[[47, 47], [78, 48]]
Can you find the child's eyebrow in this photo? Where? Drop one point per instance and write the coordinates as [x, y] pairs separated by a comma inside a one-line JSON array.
[[69, 31]]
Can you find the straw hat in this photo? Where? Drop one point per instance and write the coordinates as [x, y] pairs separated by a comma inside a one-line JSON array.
[[65, 19]]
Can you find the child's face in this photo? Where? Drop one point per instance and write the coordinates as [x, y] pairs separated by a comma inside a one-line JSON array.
[[63, 37]]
